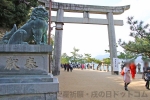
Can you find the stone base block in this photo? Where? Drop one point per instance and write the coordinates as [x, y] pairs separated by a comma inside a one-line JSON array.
[[48, 96], [28, 87]]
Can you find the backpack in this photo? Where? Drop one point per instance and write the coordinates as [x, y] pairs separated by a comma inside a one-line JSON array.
[[147, 76], [122, 72]]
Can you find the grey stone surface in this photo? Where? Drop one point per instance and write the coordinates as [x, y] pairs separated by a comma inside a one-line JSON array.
[[112, 39], [17, 64], [58, 43], [86, 14], [81, 8], [87, 21], [9, 48], [25, 78], [24, 73], [48, 96], [29, 88]]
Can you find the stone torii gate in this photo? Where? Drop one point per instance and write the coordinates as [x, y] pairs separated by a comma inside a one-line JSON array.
[[85, 9]]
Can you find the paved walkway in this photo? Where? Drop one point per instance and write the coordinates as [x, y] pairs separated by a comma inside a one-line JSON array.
[[96, 85]]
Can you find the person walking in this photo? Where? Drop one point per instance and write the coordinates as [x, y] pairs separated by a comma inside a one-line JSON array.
[[146, 74], [65, 67], [126, 76], [71, 67], [68, 67], [139, 67], [122, 65], [82, 66], [133, 69], [87, 66]]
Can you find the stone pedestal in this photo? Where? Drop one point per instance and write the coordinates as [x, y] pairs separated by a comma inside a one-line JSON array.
[[24, 73]]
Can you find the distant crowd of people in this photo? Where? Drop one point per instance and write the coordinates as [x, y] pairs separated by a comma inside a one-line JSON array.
[[129, 70], [70, 66]]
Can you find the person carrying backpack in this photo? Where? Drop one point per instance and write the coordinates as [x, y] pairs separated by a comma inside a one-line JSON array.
[[146, 74]]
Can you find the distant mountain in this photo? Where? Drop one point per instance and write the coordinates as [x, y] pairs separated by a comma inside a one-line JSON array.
[[101, 57]]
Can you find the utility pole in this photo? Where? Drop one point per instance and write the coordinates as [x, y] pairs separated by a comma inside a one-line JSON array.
[[49, 35]]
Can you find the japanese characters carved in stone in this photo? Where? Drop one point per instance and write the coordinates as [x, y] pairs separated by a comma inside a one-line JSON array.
[[11, 63], [34, 30], [30, 63]]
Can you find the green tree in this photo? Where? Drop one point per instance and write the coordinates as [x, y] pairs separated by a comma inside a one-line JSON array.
[[87, 58], [106, 61], [81, 59], [65, 58], [97, 61], [141, 35], [75, 55], [15, 12], [127, 55]]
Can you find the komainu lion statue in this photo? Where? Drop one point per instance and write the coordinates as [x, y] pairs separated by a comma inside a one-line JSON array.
[[34, 30]]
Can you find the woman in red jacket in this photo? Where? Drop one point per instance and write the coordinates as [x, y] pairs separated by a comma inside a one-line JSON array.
[[133, 69]]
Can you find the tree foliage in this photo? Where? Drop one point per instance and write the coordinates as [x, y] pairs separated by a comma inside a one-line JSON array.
[[97, 61], [106, 61], [78, 58], [141, 35], [74, 57], [65, 58], [87, 58], [126, 55], [15, 12]]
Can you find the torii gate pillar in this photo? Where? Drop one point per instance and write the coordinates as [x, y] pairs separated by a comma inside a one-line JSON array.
[[112, 40], [58, 42]]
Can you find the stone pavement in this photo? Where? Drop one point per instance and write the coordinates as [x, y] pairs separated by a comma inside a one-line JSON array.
[[96, 85]]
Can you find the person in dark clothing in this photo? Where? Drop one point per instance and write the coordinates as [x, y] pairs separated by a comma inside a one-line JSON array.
[[68, 67], [122, 65], [65, 67], [146, 74], [62, 66]]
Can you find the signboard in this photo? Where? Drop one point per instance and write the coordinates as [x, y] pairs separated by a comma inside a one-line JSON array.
[[115, 64]]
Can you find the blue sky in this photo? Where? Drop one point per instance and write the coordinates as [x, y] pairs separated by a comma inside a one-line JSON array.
[[93, 39]]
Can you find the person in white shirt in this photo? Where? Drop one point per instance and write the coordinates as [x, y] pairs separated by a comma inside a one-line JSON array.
[[126, 76]]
